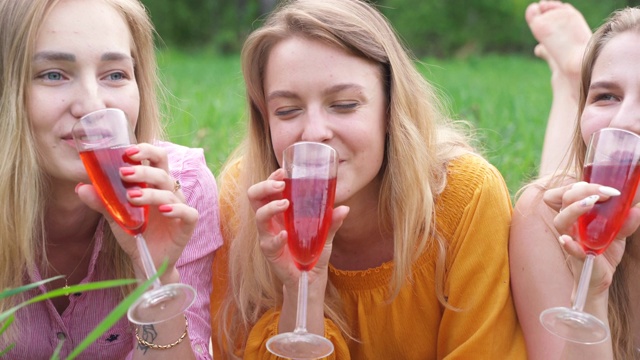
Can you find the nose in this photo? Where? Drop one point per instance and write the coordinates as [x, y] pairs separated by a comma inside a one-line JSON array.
[[317, 127], [87, 98], [628, 116]]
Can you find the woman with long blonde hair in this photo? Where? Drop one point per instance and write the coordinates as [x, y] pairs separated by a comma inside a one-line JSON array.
[[415, 265], [546, 261], [59, 60]]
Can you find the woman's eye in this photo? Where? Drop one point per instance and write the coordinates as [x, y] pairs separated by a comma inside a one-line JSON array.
[[345, 106], [285, 112], [51, 76], [604, 97], [116, 76]]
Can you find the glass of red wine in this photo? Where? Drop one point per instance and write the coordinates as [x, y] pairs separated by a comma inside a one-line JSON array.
[[310, 185], [612, 160], [101, 138]]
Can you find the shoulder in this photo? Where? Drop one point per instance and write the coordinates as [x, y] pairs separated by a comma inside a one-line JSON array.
[[188, 165], [530, 209], [472, 169], [183, 158], [469, 176], [473, 186]]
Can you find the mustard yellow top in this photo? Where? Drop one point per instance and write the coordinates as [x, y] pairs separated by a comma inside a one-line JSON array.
[[473, 214]]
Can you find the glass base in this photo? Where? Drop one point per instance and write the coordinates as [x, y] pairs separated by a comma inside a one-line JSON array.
[[575, 326], [161, 304], [300, 345]]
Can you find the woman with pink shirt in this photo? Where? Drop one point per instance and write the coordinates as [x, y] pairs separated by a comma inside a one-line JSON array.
[[59, 60]]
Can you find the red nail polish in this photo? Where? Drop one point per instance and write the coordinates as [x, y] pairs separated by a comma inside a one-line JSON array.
[[132, 151], [126, 171], [78, 186], [165, 208], [134, 193]]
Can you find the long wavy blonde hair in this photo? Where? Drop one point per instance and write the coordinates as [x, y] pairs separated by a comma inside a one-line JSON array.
[[421, 141], [620, 21], [23, 186]]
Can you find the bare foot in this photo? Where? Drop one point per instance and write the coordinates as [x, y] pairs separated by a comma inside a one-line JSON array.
[[562, 33]]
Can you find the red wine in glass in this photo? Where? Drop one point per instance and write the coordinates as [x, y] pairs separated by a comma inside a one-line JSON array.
[[598, 227], [101, 139], [308, 217], [310, 184], [103, 167], [612, 159]]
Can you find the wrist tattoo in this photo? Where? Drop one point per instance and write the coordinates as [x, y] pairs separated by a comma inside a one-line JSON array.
[[149, 334]]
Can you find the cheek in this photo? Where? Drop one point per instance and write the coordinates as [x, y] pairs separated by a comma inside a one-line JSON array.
[[131, 108], [590, 123], [281, 137]]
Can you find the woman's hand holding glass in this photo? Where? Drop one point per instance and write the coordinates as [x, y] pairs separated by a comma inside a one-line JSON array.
[[572, 201], [268, 202], [167, 233], [137, 199]]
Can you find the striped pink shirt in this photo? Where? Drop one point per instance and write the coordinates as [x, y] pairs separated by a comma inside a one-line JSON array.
[[41, 328]]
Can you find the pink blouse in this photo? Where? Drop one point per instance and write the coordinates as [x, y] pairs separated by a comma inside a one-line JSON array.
[[41, 328]]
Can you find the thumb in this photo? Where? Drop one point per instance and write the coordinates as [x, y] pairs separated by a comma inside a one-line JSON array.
[[88, 195], [339, 214]]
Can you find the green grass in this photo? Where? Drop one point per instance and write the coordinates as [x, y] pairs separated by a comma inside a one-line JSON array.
[[507, 98]]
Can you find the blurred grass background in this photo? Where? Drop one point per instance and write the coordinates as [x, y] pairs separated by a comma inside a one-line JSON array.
[[506, 98], [479, 53]]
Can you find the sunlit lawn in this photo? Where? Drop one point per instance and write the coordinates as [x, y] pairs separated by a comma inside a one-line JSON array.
[[507, 98]]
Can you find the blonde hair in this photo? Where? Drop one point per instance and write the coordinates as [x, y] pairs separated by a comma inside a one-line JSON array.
[[620, 21], [23, 186], [421, 140]]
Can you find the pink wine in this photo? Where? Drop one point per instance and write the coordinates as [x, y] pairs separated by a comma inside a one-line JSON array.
[[103, 167], [308, 217], [600, 225]]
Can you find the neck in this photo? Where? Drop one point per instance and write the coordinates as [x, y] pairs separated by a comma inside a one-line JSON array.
[[69, 220], [361, 242]]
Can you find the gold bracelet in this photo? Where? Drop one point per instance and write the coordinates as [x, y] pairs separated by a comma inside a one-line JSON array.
[[164, 347]]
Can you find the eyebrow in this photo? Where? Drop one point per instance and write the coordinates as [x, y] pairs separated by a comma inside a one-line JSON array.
[[61, 56], [115, 56], [340, 87], [281, 94], [54, 56], [332, 90], [602, 84]]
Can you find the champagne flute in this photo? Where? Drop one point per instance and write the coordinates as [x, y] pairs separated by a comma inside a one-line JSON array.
[[611, 160], [310, 184], [101, 138]]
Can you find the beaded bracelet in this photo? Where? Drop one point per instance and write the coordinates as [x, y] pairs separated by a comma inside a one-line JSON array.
[[164, 347]]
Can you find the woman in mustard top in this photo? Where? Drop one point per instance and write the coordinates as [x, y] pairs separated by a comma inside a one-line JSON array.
[[415, 265]]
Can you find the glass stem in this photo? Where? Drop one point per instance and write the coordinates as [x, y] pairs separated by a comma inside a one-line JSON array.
[[301, 314], [147, 260], [583, 284]]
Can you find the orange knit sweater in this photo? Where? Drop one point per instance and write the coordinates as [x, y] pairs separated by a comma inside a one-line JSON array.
[[473, 215]]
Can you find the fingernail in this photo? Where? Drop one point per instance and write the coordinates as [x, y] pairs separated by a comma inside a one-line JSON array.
[[78, 186], [589, 200], [561, 240], [132, 151], [126, 171], [609, 191], [134, 193], [282, 202], [165, 208], [278, 185], [579, 183]]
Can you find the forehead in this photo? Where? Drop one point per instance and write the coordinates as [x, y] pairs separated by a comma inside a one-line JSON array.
[[619, 53], [318, 62], [88, 23]]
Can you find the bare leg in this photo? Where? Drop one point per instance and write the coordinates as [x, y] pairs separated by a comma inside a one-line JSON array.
[[562, 33]]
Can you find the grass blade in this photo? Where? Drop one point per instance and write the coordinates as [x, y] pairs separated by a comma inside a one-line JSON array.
[[116, 313], [10, 292]]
